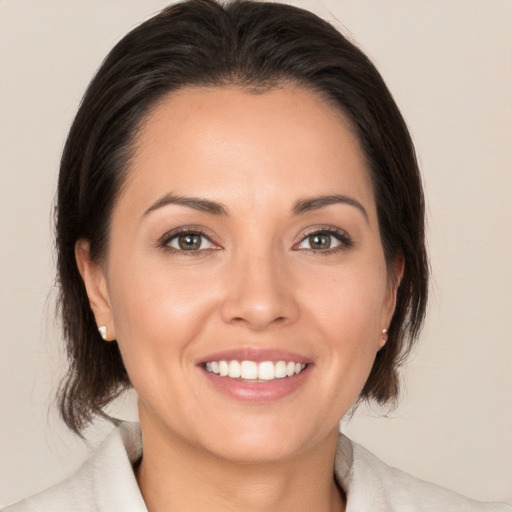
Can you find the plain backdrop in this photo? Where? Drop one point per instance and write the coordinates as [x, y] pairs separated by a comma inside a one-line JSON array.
[[448, 64]]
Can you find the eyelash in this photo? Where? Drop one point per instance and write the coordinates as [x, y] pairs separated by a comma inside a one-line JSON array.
[[164, 242], [338, 234], [341, 236]]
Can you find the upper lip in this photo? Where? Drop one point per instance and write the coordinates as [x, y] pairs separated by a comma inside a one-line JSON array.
[[257, 355]]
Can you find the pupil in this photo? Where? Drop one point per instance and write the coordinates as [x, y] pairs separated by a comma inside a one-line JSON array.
[[320, 241], [189, 242]]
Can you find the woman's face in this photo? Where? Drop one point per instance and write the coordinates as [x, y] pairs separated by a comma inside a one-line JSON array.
[[246, 241]]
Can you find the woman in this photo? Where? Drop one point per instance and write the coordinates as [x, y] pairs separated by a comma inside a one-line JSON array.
[[241, 238]]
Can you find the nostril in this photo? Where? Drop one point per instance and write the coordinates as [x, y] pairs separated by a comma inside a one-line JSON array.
[[258, 320], [259, 307]]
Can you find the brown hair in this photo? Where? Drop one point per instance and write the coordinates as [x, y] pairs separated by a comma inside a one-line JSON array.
[[254, 45]]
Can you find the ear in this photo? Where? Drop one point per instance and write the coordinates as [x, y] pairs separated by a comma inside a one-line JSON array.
[[95, 282], [388, 307]]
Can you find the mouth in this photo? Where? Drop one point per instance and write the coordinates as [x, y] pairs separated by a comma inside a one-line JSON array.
[[254, 371], [256, 375]]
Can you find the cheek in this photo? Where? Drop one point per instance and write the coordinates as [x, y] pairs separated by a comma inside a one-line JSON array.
[[348, 300], [346, 310], [158, 310]]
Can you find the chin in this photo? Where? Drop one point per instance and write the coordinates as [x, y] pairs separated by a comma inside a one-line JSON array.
[[264, 443], [256, 450]]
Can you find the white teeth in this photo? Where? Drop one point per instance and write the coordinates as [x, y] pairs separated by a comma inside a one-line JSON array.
[[234, 369], [266, 371], [250, 370], [280, 370], [223, 368]]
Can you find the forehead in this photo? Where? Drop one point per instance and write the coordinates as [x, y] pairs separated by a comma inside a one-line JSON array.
[[227, 143]]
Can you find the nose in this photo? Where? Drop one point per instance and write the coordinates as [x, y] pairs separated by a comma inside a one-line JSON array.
[[259, 294]]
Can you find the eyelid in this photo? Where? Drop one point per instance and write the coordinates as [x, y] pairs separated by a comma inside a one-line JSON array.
[[339, 234], [164, 240]]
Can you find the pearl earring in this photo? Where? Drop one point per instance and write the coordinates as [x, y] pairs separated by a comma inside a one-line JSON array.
[[385, 335], [103, 331]]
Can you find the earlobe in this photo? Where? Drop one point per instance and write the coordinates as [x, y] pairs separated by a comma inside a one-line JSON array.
[[95, 283], [383, 338]]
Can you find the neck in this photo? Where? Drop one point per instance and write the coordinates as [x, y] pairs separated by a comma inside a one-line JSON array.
[[176, 476]]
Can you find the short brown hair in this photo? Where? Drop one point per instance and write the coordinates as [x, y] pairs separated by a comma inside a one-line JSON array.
[[254, 45]]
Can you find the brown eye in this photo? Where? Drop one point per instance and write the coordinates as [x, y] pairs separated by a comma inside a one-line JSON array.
[[320, 241], [324, 241], [190, 242]]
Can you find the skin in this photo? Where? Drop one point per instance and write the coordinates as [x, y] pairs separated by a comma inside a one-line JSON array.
[[254, 282]]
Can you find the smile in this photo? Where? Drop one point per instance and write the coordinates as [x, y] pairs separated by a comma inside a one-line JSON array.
[[254, 371]]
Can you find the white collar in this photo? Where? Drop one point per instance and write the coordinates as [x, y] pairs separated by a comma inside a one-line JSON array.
[[106, 483]]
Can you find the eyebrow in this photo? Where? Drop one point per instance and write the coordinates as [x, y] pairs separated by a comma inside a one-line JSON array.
[[301, 206], [315, 203], [196, 203]]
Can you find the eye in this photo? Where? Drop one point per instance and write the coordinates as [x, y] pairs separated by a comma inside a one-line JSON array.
[[324, 240], [189, 241]]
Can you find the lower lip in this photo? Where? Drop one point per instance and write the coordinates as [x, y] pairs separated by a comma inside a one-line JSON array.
[[266, 391]]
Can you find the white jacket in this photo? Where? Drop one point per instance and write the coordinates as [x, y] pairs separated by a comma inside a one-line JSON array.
[[106, 483]]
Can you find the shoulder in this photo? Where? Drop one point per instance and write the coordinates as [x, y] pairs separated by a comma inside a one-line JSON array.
[[95, 486], [370, 484], [62, 497]]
